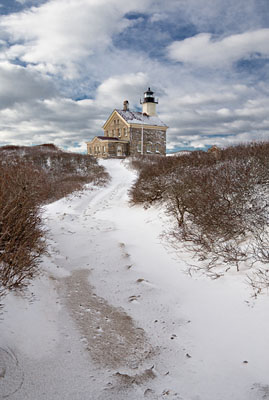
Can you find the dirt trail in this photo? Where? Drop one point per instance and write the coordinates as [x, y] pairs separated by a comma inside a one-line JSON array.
[[109, 333]]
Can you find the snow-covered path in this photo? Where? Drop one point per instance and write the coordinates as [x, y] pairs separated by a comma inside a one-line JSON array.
[[114, 316]]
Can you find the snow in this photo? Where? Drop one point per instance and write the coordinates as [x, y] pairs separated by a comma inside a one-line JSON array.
[[135, 117], [179, 153], [114, 315]]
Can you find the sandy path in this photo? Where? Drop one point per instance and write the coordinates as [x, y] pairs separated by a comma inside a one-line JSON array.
[[109, 333]]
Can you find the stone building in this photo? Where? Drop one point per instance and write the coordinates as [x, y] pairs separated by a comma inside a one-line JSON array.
[[130, 133]]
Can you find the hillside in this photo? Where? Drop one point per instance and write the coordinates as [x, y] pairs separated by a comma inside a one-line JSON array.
[[217, 203], [115, 316], [29, 178]]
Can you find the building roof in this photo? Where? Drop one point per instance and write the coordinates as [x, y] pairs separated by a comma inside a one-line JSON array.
[[139, 118], [107, 138]]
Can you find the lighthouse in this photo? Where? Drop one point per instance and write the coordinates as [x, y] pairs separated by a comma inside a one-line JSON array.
[[149, 103], [131, 133]]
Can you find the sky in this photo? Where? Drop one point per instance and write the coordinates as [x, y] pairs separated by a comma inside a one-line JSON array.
[[65, 65]]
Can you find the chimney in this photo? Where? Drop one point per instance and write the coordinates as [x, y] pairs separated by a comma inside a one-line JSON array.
[[125, 105]]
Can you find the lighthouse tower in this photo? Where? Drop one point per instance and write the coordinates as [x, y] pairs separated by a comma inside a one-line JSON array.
[[149, 103]]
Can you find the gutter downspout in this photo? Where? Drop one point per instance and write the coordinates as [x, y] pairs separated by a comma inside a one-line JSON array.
[[142, 140], [131, 141]]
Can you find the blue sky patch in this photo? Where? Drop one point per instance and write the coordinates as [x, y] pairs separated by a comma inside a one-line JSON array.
[[152, 37]]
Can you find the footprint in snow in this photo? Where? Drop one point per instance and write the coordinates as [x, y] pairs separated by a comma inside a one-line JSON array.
[[133, 298]]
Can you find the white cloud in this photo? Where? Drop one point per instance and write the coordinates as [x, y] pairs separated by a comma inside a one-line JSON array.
[[18, 84], [204, 50], [63, 33], [61, 121], [238, 114], [67, 122], [116, 89], [72, 45]]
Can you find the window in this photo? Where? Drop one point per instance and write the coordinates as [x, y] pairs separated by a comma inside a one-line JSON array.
[[139, 147], [90, 150], [119, 151], [112, 132], [125, 131], [104, 149], [119, 132], [114, 122], [149, 147], [158, 147]]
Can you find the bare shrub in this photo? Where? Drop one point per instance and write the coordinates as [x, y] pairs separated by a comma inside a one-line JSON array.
[[218, 205], [214, 208], [30, 177], [64, 172], [258, 279], [21, 233]]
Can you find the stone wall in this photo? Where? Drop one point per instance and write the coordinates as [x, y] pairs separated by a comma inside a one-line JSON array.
[[113, 150], [154, 141]]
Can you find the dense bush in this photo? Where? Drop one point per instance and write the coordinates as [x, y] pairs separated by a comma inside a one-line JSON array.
[[65, 172], [21, 234], [30, 177], [218, 202]]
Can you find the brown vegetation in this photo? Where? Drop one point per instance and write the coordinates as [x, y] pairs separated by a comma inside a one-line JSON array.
[[29, 178], [219, 205]]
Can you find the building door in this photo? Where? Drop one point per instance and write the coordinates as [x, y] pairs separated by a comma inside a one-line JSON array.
[[119, 151]]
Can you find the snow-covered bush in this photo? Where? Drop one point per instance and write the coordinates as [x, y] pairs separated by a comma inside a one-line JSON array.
[[218, 205], [65, 172]]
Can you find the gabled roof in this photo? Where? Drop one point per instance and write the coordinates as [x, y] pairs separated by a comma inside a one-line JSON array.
[[132, 117]]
